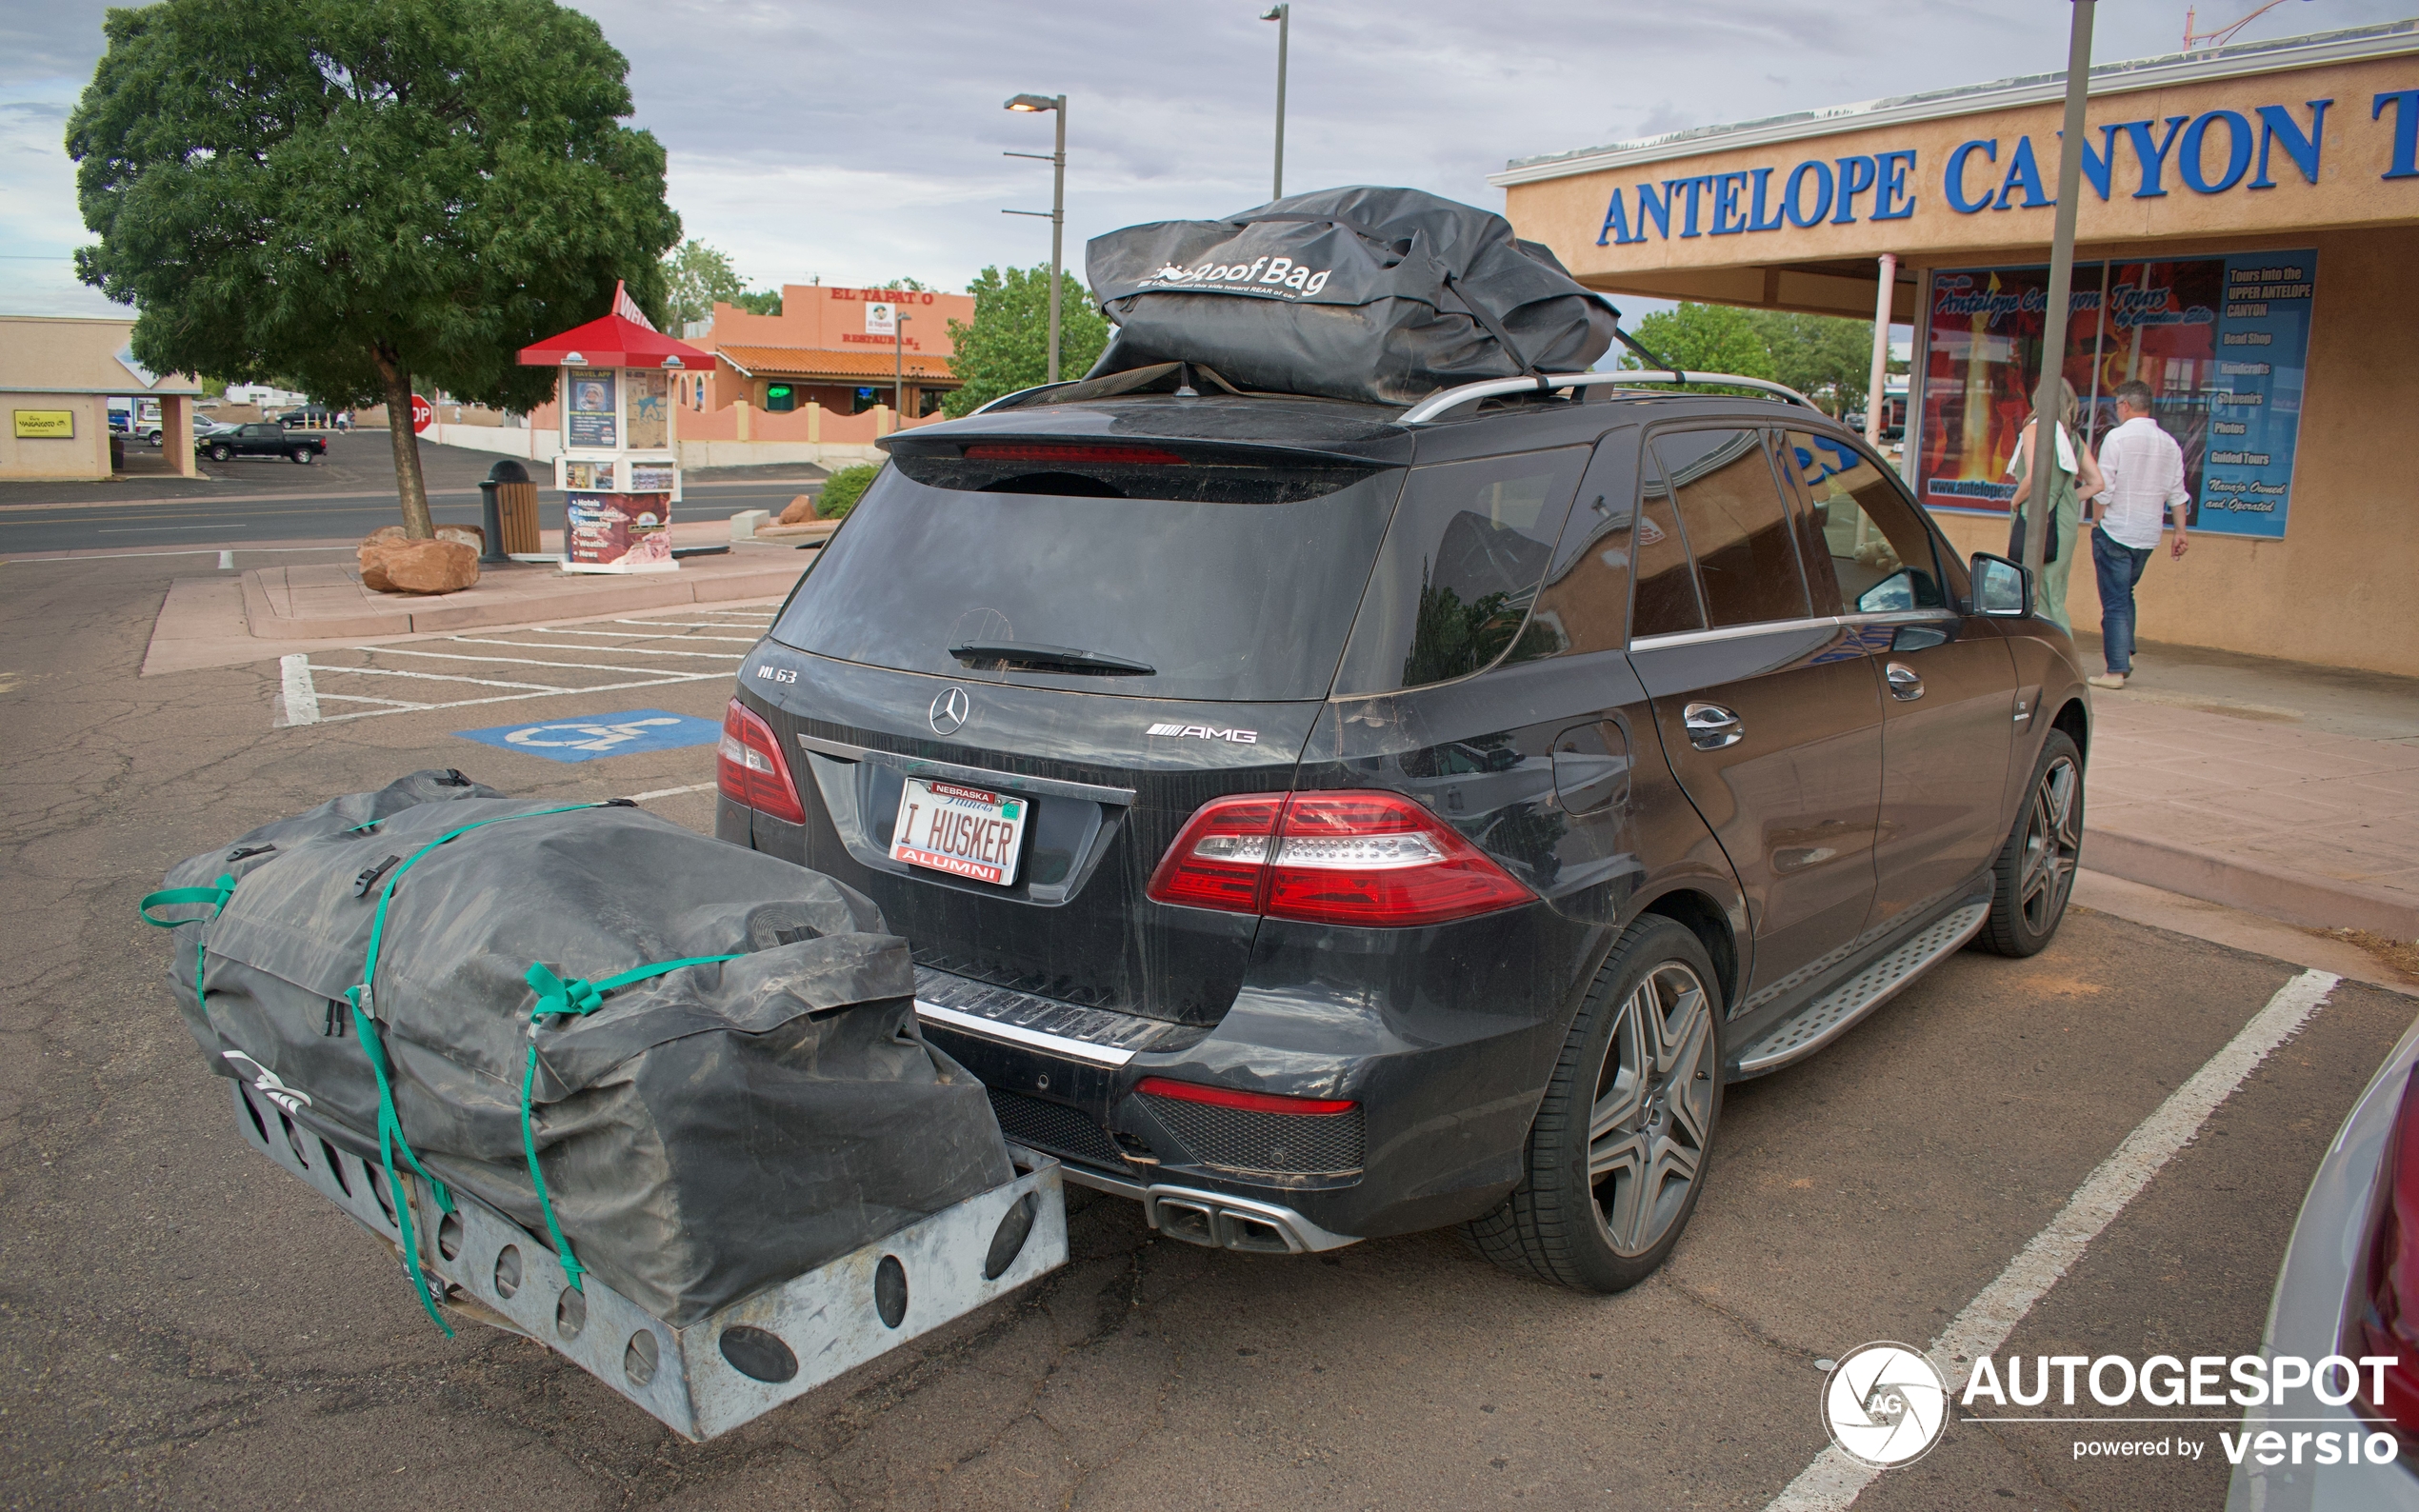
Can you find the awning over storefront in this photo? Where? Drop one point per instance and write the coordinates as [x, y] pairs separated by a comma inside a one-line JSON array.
[[811, 365]]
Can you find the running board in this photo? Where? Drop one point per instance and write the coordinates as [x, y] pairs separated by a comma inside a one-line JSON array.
[[1830, 1015]]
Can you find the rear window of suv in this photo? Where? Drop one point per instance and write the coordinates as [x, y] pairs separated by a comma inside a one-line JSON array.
[[1220, 600]]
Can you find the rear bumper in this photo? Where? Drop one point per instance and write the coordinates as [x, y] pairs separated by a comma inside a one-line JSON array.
[[1444, 1038]]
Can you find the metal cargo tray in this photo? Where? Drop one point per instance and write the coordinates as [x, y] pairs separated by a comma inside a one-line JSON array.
[[734, 1365]]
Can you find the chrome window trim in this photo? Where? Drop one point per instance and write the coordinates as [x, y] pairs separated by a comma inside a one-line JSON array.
[[952, 771], [1038, 1039], [1843, 622]]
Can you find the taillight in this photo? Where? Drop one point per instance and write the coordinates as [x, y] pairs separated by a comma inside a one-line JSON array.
[[2388, 1316], [749, 769], [1372, 859]]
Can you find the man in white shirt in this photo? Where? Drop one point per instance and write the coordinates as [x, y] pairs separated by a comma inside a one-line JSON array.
[[2145, 471]]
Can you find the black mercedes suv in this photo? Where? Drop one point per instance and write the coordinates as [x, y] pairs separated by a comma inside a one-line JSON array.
[[1320, 821]]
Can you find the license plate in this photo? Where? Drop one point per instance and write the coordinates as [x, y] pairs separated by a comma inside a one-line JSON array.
[[965, 831]]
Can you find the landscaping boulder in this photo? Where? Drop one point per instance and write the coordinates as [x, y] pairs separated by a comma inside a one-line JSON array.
[[801, 511], [399, 565], [474, 536]]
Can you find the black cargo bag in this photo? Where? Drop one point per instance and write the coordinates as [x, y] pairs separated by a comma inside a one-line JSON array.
[[724, 1087], [1382, 295]]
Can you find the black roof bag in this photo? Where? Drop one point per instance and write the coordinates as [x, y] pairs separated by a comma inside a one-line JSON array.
[[1382, 296], [703, 1133]]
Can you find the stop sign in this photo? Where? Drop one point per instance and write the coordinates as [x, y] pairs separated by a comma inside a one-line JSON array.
[[424, 414]]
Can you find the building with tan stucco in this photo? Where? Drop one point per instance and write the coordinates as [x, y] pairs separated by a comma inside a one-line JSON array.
[[57, 376], [2247, 236]]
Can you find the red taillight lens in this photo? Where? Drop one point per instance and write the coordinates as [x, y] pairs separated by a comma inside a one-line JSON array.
[[749, 769], [1243, 1102], [1376, 860], [1221, 859], [2388, 1324]]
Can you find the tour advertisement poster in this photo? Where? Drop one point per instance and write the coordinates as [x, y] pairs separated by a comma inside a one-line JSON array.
[[587, 475], [650, 410], [2221, 341], [624, 532], [591, 409]]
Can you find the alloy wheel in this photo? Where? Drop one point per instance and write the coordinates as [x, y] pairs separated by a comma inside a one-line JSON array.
[[1653, 1119], [2052, 840]]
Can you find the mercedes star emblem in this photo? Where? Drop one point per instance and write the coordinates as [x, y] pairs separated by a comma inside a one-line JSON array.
[[949, 711]]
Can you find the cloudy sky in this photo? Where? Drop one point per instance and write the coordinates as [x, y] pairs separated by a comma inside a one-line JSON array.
[[858, 141]]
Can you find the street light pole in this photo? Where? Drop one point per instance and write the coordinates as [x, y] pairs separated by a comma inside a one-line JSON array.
[[1027, 104], [2053, 323], [898, 364], [1283, 16]]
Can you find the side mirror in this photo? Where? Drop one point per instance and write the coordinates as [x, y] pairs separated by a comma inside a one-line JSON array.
[[2001, 588]]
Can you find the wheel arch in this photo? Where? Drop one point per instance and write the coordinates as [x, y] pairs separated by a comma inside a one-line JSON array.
[[1704, 917], [2073, 719]]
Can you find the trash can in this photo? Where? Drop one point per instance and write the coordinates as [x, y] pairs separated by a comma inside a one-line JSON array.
[[510, 502]]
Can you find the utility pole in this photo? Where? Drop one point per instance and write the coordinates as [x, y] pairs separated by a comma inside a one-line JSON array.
[[2053, 323], [1283, 16], [1029, 104], [898, 366]]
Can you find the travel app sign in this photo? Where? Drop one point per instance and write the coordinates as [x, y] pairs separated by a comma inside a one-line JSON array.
[[2256, 400]]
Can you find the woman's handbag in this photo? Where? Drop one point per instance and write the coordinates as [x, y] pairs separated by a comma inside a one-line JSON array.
[[2015, 539]]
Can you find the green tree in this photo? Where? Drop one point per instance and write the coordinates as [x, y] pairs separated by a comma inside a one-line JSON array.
[[1007, 346], [842, 490], [912, 285], [694, 278], [765, 302], [363, 192], [1703, 338], [1826, 358]]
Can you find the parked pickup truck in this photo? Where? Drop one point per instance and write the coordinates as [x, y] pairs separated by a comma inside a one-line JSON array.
[[263, 438]]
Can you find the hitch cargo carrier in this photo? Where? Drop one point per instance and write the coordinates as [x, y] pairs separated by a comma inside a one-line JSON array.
[[736, 1363]]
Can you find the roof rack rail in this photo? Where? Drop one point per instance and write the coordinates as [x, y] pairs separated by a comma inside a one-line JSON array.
[[1444, 400]]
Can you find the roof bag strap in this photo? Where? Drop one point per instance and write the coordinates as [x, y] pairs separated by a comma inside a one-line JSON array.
[[1502, 337], [1637, 346]]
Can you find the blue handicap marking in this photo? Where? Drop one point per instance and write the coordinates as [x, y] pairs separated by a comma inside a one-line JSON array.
[[586, 739]]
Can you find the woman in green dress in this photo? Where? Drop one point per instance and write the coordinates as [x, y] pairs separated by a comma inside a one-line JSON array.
[[2066, 506]]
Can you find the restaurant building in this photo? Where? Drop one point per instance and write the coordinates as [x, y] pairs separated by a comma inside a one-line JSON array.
[[839, 348], [2246, 243], [58, 374]]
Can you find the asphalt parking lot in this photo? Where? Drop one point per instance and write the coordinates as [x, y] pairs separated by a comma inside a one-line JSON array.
[[182, 1326]]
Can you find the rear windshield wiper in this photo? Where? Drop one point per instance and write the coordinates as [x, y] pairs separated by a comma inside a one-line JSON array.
[[1027, 656]]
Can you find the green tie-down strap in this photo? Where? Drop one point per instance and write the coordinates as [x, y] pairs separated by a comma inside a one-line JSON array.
[[215, 895], [576, 996], [365, 1029]]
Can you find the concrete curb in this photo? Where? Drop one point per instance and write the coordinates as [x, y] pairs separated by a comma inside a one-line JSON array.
[[587, 596], [2295, 897]]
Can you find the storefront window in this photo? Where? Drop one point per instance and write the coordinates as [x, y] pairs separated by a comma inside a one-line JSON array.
[[2222, 343]]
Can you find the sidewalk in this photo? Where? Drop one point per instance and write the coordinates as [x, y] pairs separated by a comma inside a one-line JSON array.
[[2270, 786]]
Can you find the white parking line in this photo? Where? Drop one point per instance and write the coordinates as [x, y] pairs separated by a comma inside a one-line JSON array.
[[671, 792], [301, 694], [1834, 1482], [297, 701]]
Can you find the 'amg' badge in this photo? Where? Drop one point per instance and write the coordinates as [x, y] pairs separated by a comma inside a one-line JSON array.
[[1239, 737]]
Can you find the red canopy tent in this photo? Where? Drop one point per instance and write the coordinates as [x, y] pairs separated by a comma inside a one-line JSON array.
[[617, 340]]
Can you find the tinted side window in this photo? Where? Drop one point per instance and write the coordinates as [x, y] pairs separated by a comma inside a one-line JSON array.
[[1584, 603], [1459, 571], [1729, 505], [1879, 548], [1666, 597]]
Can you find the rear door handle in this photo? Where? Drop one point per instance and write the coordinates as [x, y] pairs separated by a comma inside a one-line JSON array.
[[1711, 726], [1904, 684]]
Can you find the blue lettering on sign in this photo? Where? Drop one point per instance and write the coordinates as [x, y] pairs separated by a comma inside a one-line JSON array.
[[1818, 190]]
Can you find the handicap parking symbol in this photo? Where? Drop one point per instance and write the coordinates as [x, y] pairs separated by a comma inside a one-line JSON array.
[[584, 740]]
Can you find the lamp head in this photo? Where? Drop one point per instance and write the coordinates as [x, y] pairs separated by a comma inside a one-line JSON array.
[[1275, 13], [1026, 104]]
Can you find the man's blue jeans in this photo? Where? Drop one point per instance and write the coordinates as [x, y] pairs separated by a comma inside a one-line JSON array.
[[2118, 567]]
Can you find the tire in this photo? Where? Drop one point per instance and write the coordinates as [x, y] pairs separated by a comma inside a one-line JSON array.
[[221, 453], [303, 456], [2034, 875], [1643, 1063]]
